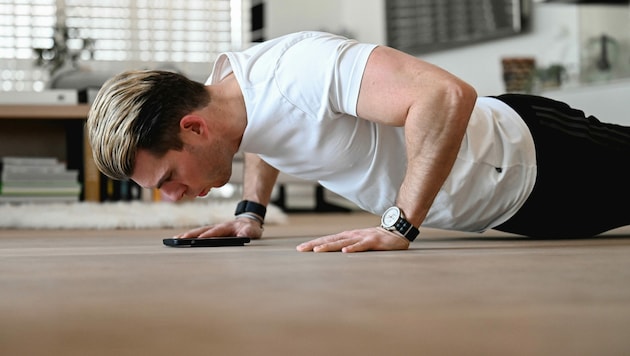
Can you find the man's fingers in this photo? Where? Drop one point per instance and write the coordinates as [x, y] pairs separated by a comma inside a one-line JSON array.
[[192, 233], [242, 227], [309, 245], [214, 232], [357, 241], [359, 246], [333, 246], [324, 244]]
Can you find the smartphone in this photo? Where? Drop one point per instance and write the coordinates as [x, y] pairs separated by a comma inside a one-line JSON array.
[[206, 241]]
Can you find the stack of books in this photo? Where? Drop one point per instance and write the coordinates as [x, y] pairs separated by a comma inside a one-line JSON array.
[[36, 180]]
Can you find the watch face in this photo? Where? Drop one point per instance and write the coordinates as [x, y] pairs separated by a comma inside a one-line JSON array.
[[390, 217]]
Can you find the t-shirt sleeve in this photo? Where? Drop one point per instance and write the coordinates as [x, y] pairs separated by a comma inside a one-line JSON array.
[[323, 72], [349, 70]]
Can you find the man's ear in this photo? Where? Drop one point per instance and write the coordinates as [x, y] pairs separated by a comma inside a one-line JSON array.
[[194, 125]]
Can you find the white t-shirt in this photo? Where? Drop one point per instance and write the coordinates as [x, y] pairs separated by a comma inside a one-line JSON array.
[[301, 93]]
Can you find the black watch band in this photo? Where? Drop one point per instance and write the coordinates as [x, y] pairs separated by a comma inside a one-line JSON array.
[[406, 229], [246, 206]]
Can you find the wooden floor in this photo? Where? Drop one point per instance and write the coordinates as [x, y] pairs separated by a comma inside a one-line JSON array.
[[122, 293]]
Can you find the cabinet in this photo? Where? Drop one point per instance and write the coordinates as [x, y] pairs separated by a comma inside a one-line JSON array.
[[51, 130]]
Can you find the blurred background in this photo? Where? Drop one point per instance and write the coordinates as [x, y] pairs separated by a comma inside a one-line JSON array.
[[76, 43], [59, 52]]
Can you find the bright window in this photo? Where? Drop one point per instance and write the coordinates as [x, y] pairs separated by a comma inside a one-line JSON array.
[[114, 35]]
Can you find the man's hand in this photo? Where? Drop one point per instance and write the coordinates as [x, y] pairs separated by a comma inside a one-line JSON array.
[[241, 227], [375, 238]]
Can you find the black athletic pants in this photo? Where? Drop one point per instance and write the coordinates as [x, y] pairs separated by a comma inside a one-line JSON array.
[[583, 182]]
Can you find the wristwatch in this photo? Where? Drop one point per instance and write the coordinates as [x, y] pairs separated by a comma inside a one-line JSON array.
[[246, 206], [394, 220]]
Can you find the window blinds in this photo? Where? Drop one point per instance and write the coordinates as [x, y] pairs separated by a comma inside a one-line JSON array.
[[419, 26], [138, 33], [145, 30]]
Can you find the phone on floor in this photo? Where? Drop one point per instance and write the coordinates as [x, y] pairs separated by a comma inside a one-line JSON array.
[[206, 241]]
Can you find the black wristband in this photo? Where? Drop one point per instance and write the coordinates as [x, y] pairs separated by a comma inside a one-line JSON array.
[[407, 230], [246, 206]]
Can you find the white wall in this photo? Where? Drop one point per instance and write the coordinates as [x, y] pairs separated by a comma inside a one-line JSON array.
[[554, 38], [557, 35], [286, 16], [607, 101], [364, 19]]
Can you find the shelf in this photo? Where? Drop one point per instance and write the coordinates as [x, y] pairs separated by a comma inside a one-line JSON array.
[[51, 130], [56, 112]]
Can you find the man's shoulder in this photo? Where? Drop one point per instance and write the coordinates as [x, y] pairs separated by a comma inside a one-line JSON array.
[[285, 42]]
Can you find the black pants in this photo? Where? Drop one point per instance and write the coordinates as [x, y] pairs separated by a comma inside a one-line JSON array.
[[583, 183]]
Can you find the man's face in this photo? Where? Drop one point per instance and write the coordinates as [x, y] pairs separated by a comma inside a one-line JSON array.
[[188, 173]]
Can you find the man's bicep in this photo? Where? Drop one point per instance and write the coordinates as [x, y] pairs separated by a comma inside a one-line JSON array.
[[393, 82]]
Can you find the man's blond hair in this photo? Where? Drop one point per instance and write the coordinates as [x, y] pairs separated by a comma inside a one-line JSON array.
[[139, 110]]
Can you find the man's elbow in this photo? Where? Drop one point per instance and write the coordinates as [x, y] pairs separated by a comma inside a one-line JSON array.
[[462, 96], [459, 100], [463, 92]]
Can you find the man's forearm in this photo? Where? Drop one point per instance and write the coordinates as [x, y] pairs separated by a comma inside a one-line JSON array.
[[433, 137], [258, 179]]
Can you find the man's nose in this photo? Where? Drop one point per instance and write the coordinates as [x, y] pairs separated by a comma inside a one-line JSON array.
[[173, 194]]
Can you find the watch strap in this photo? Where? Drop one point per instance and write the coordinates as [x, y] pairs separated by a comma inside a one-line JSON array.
[[247, 206], [409, 231]]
